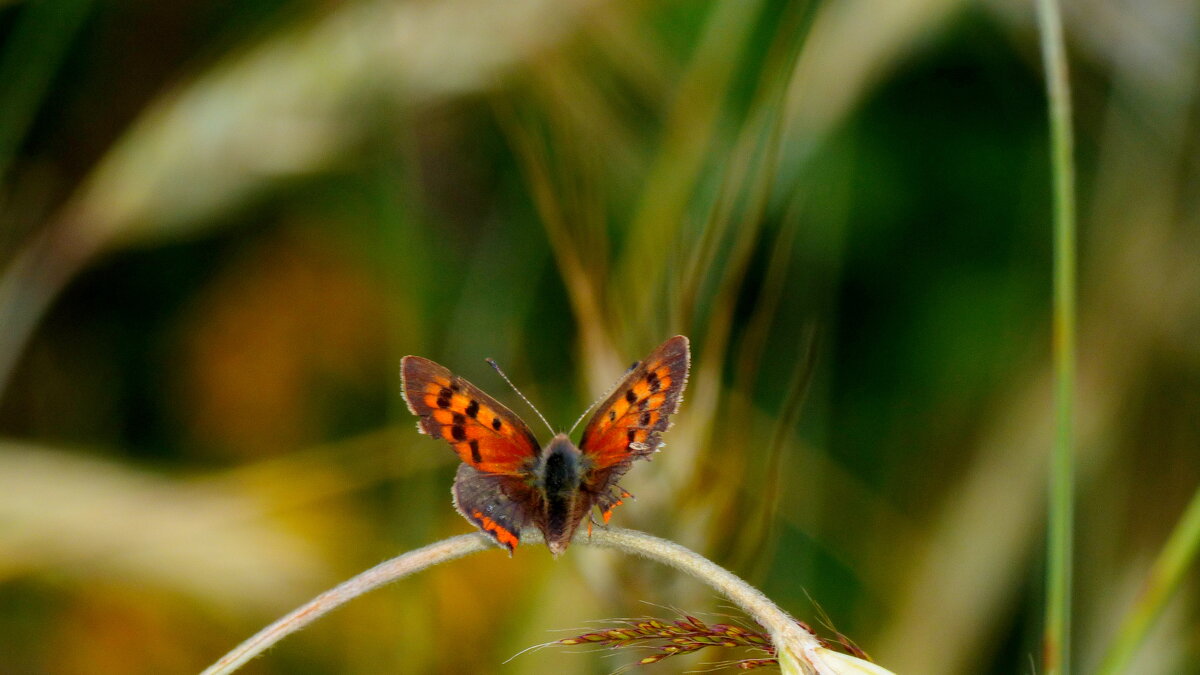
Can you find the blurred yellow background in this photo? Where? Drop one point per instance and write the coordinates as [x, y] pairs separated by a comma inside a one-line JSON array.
[[222, 225]]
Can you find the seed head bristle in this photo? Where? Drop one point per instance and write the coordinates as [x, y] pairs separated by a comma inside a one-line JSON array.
[[751, 664], [682, 636]]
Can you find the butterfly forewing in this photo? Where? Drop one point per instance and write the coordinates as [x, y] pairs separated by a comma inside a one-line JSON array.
[[486, 435], [628, 424]]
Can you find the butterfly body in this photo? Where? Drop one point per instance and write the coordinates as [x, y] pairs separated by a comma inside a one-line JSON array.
[[507, 481], [558, 478]]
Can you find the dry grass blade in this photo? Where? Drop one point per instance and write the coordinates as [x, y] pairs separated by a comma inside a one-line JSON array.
[[94, 518], [284, 108]]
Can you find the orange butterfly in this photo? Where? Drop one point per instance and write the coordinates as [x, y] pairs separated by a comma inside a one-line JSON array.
[[507, 481]]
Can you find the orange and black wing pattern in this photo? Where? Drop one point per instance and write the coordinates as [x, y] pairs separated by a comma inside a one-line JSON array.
[[486, 435], [627, 426]]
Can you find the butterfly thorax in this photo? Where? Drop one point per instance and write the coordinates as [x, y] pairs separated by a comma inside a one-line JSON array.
[[560, 468]]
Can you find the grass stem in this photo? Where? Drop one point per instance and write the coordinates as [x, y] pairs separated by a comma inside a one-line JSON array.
[[799, 651], [1056, 637], [380, 575], [1177, 556]]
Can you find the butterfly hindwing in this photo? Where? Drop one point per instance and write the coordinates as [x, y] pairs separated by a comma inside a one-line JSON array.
[[495, 503], [486, 435], [627, 426]]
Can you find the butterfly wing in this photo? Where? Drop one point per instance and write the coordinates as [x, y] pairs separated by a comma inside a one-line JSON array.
[[486, 435], [627, 426], [495, 503]]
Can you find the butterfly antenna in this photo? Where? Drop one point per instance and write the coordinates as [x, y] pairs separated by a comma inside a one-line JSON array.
[[602, 397], [495, 365]]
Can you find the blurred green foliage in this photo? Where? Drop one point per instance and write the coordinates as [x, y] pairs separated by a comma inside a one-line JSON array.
[[222, 225]]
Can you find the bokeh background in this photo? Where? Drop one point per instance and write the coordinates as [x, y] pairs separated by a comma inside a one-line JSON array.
[[223, 223]]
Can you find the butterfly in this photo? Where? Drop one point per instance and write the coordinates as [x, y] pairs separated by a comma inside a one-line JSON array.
[[507, 481]]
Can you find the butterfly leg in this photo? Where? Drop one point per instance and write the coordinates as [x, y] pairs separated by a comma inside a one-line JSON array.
[[611, 500]]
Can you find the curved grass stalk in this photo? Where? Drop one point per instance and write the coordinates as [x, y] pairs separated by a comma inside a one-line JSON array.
[[799, 651], [380, 575]]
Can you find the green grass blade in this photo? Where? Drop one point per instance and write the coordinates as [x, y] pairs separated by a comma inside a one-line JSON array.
[[1165, 576], [1056, 637]]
